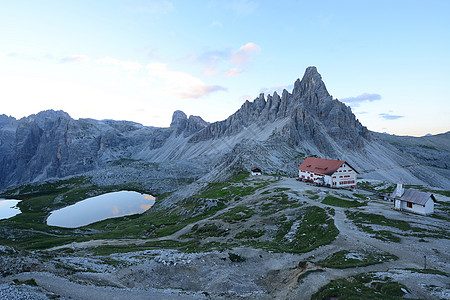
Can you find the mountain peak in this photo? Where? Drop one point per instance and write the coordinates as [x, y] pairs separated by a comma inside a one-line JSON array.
[[182, 124], [178, 118], [311, 81]]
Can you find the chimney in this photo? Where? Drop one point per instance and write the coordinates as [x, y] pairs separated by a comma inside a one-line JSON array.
[[399, 190]]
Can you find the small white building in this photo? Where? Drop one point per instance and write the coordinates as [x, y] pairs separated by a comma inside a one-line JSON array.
[[256, 171], [412, 200], [329, 172]]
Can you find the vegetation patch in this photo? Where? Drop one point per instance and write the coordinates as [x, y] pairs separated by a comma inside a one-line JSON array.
[[428, 271], [378, 187], [249, 234], [314, 228], [236, 257], [335, 201], [236, 214], [368, 218], [363, 286], [360, 196], [30, 282], [351, 259], [209, 230]]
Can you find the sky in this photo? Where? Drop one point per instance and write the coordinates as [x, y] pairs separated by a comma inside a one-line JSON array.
[[140, 60]]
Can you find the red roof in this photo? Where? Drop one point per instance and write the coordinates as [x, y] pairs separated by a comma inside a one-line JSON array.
[[322, 166]]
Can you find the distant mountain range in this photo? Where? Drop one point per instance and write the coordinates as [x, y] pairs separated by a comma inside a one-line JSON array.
[[273, 133]]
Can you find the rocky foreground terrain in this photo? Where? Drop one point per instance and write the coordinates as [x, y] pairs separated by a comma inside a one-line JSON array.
[[279, 239]]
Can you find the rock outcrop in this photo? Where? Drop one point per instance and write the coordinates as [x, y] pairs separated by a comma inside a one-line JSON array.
[[181, 124], [313, 115]]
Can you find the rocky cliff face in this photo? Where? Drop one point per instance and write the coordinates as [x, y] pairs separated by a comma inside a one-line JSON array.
[[188, 126], [313, 115]]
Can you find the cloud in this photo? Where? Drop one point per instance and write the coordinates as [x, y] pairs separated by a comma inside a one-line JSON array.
[[130, 66], [243, 55], [365, 97], [75, 58], [180, 84], [390, 117], [233, 72], [200, 91], [212, 59]]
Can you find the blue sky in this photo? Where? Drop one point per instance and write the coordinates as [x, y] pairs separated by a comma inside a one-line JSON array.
[[140, 60]]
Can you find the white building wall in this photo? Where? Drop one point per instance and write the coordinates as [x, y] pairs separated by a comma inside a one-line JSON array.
[[344, 177], [429, 206], [306, 175], [416, 208]]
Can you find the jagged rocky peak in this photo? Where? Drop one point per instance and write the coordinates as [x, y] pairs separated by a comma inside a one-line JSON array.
[[5, 120], [47, 115], [310, 114], [311, 82], [50, 114], [178, 118], [188, 126]]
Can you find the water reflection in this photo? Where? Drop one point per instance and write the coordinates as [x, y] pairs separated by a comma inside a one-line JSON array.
[[8, 208], [110, 205]]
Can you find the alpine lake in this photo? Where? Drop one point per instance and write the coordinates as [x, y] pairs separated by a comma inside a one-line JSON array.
[[98, 208], [8, 208]]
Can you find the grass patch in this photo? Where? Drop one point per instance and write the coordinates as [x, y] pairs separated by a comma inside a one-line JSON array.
[[249, 234], [30, 282], [428, 271], [236, 214], [315, 228], [368, 218], [236, 257], [346, 259], [363, 286], [335, 201], [208, 230]]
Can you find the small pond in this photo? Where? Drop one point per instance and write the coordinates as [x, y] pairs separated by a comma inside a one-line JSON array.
[[8, 208], [110, 205]]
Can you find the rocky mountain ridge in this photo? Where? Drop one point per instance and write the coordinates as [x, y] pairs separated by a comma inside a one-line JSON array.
[[271, 132]]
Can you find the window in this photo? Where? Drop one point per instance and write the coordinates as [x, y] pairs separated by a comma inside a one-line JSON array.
[[409, 204]]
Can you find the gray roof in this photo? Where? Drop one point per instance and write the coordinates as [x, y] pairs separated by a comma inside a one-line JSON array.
[[414, 196]]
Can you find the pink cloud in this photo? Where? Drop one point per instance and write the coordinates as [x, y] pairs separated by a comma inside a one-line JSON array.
[[233, 72], [180, 84], [244, 54], [75, 58]]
